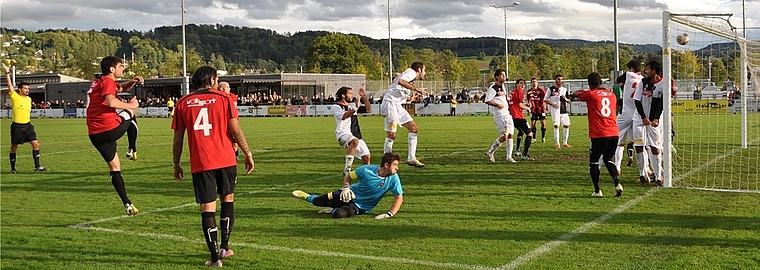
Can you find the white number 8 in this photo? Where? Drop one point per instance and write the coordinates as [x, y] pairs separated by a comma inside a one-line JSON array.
[[606, 110], [201, 122]]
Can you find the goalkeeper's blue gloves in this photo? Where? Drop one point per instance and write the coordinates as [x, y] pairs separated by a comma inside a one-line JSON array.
[[346, 194]]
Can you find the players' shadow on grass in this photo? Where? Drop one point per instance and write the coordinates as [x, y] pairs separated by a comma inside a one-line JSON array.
[[379, 232], [19, 257]]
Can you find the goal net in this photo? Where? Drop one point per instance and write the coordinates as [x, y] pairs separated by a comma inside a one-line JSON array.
[[716, 112]]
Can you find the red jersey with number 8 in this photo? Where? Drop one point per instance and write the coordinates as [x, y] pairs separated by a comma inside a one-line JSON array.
[[601, 104], [205, 114]]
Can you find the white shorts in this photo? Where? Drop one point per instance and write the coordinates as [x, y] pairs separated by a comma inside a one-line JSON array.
[[559, 119], [625, 129], [345, 138], [505, 125], [395, 115], [647, 136]]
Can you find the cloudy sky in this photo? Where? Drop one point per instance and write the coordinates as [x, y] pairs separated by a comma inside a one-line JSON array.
[[639, 20]]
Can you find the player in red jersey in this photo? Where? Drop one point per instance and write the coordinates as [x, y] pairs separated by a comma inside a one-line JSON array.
[[211, 120], [105, 126], [536, 96], [603, 131], [516, 107]]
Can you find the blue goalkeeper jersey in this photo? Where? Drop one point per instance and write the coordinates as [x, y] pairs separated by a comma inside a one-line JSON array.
[[370, 188]]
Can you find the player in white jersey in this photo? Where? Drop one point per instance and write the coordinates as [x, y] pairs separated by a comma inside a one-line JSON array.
[[497, 97], [556, 97], [647, 130], [394, 114], [631, 79], [347, 130]]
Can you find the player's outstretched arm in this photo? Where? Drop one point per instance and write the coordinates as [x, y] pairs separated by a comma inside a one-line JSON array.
[[179, 138], [242, 143], [126, 86], [115, 103], [397, 201], [367, 103], [8, 79]]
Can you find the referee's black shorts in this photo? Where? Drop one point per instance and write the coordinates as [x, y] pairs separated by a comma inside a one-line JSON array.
[[537, 116], [218, 181], [21, 133], [105, 141]]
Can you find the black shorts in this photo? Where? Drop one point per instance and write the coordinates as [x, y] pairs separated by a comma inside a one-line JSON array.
[[209, 183], [602, 147], [537, 116], [105, 141], [521, 125], [21, 133]]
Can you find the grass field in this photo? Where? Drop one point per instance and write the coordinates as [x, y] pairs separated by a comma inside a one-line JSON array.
[[460, 212]]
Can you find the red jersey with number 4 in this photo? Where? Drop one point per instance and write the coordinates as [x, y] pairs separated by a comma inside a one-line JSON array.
[[100, 116], [205, 114], [601, 112], [516, 98]]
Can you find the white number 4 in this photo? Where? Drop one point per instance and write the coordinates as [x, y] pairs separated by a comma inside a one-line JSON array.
[[201, 122]]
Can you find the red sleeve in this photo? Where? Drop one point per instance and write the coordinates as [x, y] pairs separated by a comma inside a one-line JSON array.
[[582, 95], [108, 88], [231, 101]]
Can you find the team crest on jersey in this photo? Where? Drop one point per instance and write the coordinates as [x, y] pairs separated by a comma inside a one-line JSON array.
[[196, 102], [381, 184]]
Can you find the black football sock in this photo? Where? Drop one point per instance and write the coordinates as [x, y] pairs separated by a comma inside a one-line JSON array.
[[13, 161], [594, 172], [210, 234], [118, 184], [612, 169], [36, 156], [519, 139], [528, 142], [629, 149], [543, 133], [132, 134], [226, 221]]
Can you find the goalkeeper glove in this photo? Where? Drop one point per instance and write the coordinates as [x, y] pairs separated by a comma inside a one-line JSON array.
[[383, 216], [346, 194]]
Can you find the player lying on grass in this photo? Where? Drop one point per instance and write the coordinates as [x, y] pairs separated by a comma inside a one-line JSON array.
[[361, 197]]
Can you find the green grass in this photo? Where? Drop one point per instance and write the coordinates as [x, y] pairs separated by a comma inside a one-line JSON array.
[[459, 212]]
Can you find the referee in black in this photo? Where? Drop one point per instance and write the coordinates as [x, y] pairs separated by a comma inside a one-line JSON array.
[[21, 129]]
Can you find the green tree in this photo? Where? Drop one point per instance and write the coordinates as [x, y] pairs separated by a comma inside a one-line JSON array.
[[338, 53], [685, 65]]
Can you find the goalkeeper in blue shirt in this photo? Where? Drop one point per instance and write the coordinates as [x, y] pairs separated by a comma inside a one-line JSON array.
[[373, 182]]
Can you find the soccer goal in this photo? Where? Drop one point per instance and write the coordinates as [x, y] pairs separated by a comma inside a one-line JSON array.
[[716, 112]]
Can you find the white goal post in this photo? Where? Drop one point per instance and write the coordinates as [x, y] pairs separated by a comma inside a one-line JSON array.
[[716, 114]]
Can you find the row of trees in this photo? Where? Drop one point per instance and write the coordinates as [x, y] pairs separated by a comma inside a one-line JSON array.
[[157, 53]]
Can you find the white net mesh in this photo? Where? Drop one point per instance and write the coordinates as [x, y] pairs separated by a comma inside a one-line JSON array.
[[715, 116]]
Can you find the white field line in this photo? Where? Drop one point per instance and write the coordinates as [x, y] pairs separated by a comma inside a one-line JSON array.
[[88, 223], [296, 250], [582, 229], [585, 227]]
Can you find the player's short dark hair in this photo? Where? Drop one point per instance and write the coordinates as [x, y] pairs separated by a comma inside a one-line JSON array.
[[342, 91], [519, 80], [498, 72], [108, 62], [557, 76], [417, 66], [21, 84], [533, 79], [388, 158], [202, 77], [634, 64], [655, 66], [594, 80]]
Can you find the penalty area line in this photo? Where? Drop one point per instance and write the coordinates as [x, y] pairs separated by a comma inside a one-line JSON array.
[[296, 250], [89, 223], [578, 231]]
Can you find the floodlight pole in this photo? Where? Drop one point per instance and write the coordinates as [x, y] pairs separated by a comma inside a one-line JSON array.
[[617, 44], [506, 39], [185, 79], [390, 49]]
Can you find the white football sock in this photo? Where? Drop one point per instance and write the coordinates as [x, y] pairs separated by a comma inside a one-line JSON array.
[[656, 162], [510, 145], [496, 144], [567, 134], [619, 156], [556, 136], [388, 146], [641, 161], [412, 138], [349, 162]]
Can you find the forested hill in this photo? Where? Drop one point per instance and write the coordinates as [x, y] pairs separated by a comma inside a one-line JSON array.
[[247, 45]]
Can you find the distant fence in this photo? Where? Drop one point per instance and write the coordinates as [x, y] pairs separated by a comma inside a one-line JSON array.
[[575, 108]]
